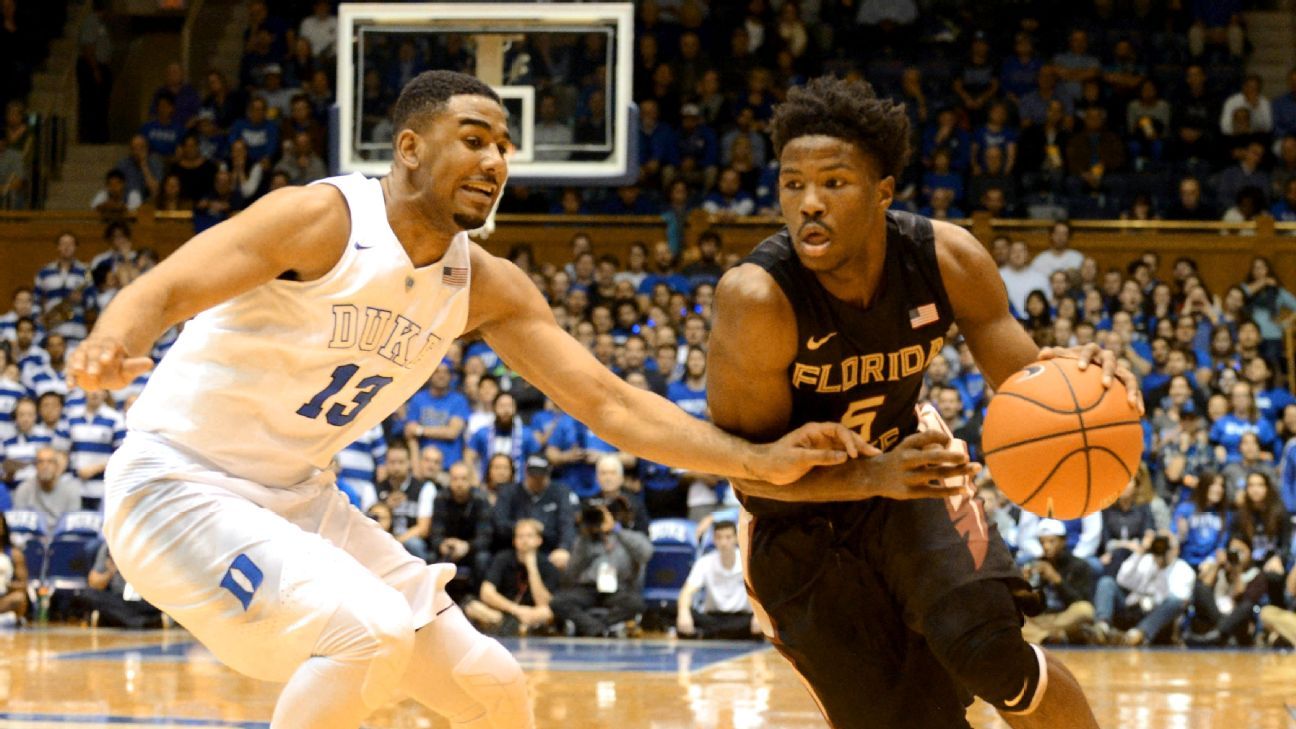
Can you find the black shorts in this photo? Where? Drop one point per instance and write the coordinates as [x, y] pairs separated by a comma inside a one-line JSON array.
[[847, 593]]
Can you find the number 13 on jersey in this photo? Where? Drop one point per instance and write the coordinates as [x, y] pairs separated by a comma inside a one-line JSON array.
[[339, 415]]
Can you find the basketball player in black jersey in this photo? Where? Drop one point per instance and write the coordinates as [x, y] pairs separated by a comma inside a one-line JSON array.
[[884, 588]]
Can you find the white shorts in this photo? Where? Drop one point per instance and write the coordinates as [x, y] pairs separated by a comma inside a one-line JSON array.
[[254, 572]]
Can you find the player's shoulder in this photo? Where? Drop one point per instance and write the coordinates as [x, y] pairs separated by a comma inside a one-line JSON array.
[[752, 287]]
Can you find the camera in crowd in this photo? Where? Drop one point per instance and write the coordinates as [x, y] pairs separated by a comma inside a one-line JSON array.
[[591, 515]]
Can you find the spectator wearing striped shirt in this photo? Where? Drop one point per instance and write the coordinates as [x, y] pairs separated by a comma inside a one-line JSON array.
[[95, 435], [30, 356], [362, 464], [48, 376], [50, 416], [23, 308], [20, 449], [11, 391], [59, 278]]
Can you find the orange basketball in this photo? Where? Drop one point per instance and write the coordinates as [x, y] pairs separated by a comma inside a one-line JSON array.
[[1058, 443]]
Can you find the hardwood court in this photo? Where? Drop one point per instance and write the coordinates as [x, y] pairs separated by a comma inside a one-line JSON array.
[[69, 678]]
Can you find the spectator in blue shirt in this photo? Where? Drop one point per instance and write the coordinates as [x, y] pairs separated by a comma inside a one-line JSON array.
[[942, 175], [1202, 523], [1020, 71], [658, 145], [259, 134], [507, 434], [437, 416], [698, 142], [1271, 398], [1283, 109], [690, 393], [163, 132], [1227, 431], [630, 200], [946, 134], [1287, 460], [729, 199], [664, 264]]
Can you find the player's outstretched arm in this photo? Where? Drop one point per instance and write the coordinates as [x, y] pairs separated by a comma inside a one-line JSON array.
[[753, 343], [516, 322], [999, 343], [300, 229]]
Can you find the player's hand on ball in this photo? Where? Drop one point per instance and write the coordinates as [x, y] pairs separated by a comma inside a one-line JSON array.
[[1091, 352], [102, 363], [917, 468], [813, 444]]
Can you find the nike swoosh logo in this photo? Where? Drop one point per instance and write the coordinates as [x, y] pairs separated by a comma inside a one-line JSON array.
[[812, 344], [359, 247]]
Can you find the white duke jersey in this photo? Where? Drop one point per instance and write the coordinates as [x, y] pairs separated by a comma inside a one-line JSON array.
[[269, 385]]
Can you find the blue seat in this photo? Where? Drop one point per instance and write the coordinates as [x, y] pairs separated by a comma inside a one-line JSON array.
[[674, 551], [70, 558], [34, 552], [25, 524], [672, 531], [666, 573], [81, 523]]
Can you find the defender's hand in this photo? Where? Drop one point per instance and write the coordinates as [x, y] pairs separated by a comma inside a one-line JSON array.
[[1091, 352], [102, 363], [813, 444], [917, 468]]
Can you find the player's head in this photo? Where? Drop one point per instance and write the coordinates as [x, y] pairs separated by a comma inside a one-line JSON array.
[[450, 141], [840, 151]]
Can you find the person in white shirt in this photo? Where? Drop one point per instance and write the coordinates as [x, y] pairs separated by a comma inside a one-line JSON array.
[[1251, 98], [1059, 256], [1020, 278], [1148, 593], [726, 612], [320, 28]]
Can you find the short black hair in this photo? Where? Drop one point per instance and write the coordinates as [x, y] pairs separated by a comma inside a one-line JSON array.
[[428, 93], [849, 110]]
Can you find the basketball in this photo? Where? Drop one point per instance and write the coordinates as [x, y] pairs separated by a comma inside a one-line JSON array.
[[1060, 444]]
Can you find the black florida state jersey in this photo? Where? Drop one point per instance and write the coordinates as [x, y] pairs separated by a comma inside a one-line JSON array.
[[861, 367]]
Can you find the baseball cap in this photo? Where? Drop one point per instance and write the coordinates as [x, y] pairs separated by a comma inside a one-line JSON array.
[[538, 465], [270, 68], [1051, 528], [690, 110]]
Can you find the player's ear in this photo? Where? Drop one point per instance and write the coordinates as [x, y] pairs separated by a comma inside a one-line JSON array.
[[885, 192], [406, 148]]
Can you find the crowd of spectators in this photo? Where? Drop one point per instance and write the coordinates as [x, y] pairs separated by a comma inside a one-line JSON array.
[[552, 527], [1089, 110], [1101, 109]]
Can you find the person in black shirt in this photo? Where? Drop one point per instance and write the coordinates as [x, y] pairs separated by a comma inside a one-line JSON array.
[[551, 504], [879, 579], [518, 586], [1067, 583], [461, 524]]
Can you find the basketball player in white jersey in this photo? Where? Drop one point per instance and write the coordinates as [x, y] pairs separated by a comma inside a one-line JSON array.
[[315, 313]]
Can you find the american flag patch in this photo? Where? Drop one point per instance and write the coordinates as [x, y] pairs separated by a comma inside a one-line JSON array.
[[455, 276], [923, 315]]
